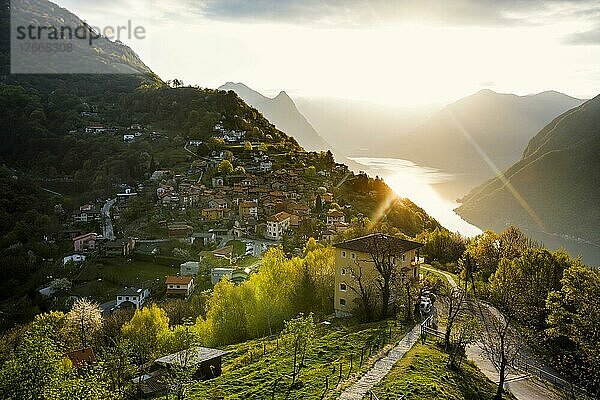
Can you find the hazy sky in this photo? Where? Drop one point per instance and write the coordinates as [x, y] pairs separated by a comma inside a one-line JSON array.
[[400, 52]]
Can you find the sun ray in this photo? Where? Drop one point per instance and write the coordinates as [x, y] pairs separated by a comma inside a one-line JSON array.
[[497, 172]]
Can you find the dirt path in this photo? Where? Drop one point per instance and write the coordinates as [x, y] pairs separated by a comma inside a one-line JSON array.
[[382, 367]]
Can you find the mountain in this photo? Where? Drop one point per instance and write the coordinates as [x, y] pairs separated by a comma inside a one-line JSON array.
[[554, 188], [84, 68], [482, 129], [363, 128], [282, 111]]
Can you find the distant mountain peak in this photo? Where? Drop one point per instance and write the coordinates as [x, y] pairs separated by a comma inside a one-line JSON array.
[[281, 111]]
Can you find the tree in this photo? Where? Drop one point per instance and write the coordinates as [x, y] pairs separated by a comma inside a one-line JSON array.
[[225, 167], [383, 251], [320, 262], [240, 170], [85, 318], [299, 333], [117, 366], [457, 298], [443, 246], [573, 315], [465, 333], [226, 317], [541, 272], [34, 369], [263, 147], [310, 172], [248, 146], [484, 249], [500, 343], [148, 332], [363, 286]]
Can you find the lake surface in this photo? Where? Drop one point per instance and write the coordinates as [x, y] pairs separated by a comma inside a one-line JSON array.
[[418, 184], [435, 191]]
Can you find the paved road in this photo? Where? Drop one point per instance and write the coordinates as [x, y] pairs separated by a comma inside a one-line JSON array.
[[523, 389], [382, 367], [449, 277], [107, 225]]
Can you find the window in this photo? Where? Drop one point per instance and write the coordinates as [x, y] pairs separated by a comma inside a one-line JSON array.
[[343, 254], [344, 271], [120, 297], [353, 256], [343, 287], [127, 298], [342, 302]]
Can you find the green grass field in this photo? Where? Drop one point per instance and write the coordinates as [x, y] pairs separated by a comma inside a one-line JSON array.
[[422, 375], [242, 379], [102, 279]]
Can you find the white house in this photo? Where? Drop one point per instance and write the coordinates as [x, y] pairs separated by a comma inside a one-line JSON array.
[[277, 224], [216, 274], [131, 296], [189, 268], [128, 138], [95, 129], [76, 258], [265, 166], [195, 143], [335, 217], [179, 286]]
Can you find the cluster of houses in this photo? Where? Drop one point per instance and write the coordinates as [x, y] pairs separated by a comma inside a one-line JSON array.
[[258, 202]]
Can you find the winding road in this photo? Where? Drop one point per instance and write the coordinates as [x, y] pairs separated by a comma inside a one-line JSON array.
[[107, 226], [522, 387]]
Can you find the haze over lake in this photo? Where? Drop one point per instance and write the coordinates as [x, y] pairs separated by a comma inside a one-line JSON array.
[[418, 183]]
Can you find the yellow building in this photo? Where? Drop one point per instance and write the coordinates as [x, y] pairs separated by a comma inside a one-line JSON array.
[[214, 214], [354, 260]]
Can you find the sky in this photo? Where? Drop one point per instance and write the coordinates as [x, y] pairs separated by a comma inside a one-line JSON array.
[[393, 52]]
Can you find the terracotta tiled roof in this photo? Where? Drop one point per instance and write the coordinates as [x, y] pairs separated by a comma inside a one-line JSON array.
[[81, 356], [279, 217], [178, 280]]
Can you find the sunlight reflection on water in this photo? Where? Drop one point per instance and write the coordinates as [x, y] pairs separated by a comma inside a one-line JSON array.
[[416, 183]]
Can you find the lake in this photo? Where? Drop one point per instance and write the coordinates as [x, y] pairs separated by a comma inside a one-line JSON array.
[[418, 184], [435, 191]]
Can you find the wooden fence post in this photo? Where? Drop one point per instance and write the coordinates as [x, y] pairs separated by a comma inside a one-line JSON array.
[[362, 350], [350, 370]]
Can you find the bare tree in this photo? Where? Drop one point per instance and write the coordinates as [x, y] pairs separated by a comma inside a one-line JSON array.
[[385, 251], [501, 344], [364, 288], [456, 300]]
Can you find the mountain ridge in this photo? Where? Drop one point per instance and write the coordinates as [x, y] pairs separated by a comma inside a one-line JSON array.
[[553, 188], [282, 111], [483, 132]]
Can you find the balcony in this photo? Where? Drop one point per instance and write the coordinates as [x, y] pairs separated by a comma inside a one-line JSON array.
[[417, 261]]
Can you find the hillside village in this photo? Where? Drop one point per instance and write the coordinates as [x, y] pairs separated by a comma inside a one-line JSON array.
[[234, 200], [196, 251]]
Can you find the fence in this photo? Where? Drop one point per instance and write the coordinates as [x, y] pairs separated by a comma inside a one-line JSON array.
[[567, 387], [341, 368], [428, 326]]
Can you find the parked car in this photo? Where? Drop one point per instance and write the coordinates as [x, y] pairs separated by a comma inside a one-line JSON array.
[[425, 305]]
